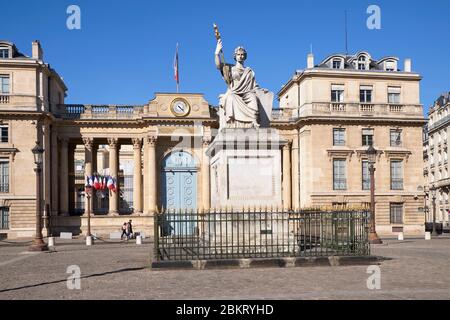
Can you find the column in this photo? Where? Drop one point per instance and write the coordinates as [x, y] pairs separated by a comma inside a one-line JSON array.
[[88, 170], [55, 174], [137, 176], [206, 196], [113, 172], [295, 173], [287, 176], [152, 192], [71, 168], [145, 176], [64, 178]]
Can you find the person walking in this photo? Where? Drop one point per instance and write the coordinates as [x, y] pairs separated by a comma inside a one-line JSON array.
[[124, 230], [130, 229]]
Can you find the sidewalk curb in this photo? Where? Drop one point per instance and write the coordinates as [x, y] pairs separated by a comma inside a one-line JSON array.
[[332, 261]]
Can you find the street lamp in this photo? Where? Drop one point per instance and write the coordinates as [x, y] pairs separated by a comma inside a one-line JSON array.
[[88, 192], [371, 156], [433, 197], [38, 242]]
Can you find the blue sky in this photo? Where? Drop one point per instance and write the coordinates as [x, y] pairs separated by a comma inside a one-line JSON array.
[[124, 51]]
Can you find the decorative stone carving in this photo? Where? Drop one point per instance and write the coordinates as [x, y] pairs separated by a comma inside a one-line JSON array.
[[341, 153], [88, 143], [112, 142], [151, 140], [137, 143]]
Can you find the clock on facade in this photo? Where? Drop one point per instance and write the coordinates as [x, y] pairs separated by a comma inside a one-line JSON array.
[[180, 107]]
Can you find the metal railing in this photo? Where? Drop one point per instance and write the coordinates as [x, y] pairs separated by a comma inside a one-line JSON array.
[[194, 235]]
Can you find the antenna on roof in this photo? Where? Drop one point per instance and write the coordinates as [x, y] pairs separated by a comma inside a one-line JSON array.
[[346, 35], [311, 49]]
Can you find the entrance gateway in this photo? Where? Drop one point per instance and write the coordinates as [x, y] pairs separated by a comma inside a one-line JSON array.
[[179, 191]]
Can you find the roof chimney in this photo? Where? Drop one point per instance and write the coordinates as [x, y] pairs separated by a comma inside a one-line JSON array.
[[36, 50], [310, 61], [407, 65]]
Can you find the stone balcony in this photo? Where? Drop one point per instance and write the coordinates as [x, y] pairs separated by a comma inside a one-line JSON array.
[[440, 123], [361, 110], [106, 112], [21, 101], [285, 114], [443, 183]]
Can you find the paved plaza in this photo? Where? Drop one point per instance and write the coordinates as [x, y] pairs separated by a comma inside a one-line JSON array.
[[415, 269]]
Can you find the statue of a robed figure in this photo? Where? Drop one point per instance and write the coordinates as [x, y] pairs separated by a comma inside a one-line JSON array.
[[245, 104]]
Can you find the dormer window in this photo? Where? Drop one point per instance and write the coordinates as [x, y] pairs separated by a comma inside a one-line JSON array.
[[336, 64], [362, 63], [390, 66], [4, 53]]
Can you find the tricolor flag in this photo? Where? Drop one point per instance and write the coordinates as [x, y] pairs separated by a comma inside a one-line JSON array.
[[96, 183], [110, 183], [86, 184], [175, 69]]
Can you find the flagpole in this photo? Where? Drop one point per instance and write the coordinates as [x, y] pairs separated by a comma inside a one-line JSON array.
[[177, 76]]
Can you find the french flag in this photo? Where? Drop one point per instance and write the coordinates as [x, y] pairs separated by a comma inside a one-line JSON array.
[[111, 184], [86, 184], [96, 183], [175, 67]]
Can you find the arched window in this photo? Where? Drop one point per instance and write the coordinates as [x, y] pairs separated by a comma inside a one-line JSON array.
[[362, 60]]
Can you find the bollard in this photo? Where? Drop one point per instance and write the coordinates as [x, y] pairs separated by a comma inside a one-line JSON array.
[[51, 241], [89, 241], [138, 239], [400, 236], [427, 235]]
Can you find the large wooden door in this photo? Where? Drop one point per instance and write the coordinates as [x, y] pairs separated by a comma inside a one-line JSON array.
[[179, 191]]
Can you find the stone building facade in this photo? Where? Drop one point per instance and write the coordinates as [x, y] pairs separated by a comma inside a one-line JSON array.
[[436, 160], [334, 111], [328, 115]]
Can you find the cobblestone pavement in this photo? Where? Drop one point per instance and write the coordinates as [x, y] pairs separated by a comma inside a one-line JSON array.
[[417, 269]]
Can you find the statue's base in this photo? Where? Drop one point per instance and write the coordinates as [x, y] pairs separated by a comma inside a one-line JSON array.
[[246, 168]]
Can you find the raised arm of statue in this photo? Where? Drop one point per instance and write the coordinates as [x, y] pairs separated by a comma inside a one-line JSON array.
[[219, 48]]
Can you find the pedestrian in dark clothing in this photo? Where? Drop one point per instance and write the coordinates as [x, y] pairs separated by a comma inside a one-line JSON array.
[[129, 229], [124, 230]]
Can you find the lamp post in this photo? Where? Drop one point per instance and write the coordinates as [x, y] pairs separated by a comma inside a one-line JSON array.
[[38, 242], [88, 191], [433, 197], [371, 156]]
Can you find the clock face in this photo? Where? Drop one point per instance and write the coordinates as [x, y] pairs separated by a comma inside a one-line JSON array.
[[180, 107]]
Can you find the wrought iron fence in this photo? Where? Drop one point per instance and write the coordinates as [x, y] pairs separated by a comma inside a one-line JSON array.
[[192, 235]]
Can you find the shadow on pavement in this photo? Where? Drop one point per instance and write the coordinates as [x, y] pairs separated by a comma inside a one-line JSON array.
[[83, 277]]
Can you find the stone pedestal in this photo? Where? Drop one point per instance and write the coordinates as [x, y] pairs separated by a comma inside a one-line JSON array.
[[245, 168]]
